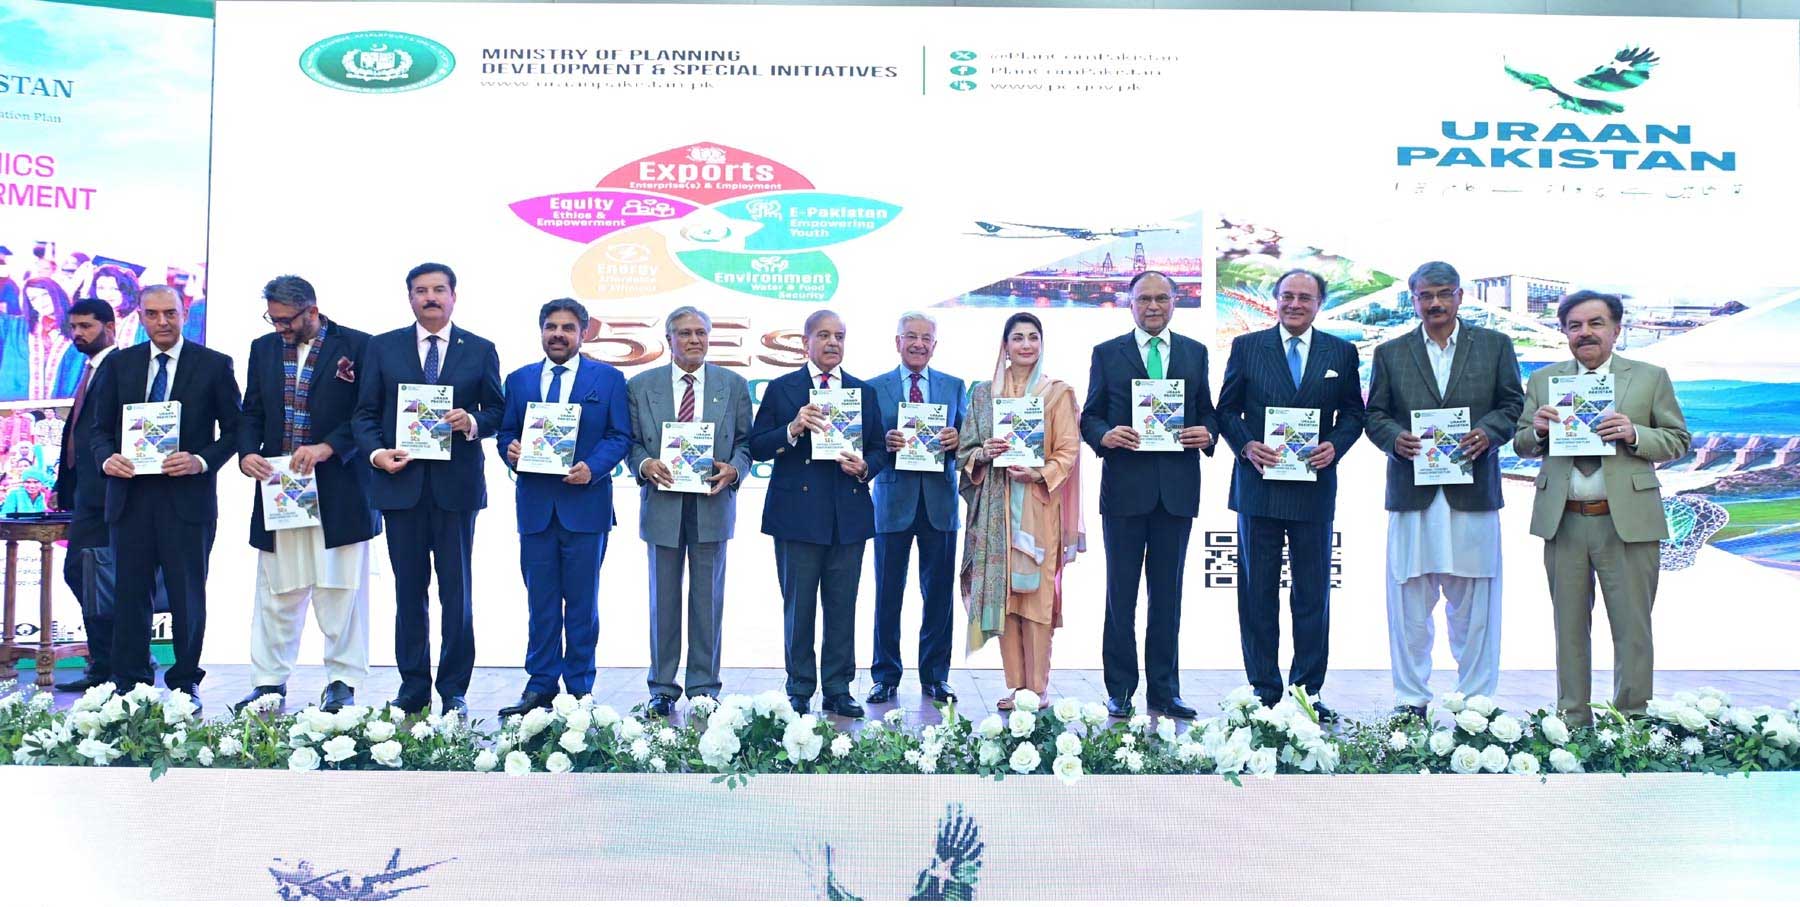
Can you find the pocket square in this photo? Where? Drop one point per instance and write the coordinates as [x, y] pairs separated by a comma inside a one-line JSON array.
[[346, 370], [1331, 373]]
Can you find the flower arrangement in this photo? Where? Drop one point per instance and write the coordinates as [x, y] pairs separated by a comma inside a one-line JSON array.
[[739, 737]]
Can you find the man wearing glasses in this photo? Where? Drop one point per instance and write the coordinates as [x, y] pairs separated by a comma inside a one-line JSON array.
[[298, 402], [1443, 540]]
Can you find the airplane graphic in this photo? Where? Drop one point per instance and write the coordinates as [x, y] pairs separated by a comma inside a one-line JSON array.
[[1010, 230]]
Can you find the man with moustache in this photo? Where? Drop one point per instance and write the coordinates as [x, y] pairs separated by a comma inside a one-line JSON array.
[[299, 399], [1290, 364], [564, 520], [1443, 540], [80, 489], [1603, 515], [687, 531], [820, 515], [429, 507], [916, 508], [164, 521], [1148, 500]]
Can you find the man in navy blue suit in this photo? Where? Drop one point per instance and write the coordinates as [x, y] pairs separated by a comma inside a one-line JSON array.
[[564, 520], [430, 506], [820, 515], [1290, 364], [81, 490], [164, 521], [1148, 499], [298, 403], [916, 508]]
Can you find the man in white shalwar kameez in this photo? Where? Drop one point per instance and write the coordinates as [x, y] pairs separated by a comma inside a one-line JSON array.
[[298, 404], [1443, 539]]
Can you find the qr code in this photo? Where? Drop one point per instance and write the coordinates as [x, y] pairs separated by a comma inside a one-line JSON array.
[[1222, 561]]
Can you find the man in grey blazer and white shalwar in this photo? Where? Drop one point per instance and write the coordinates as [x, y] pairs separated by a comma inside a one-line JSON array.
[[684, 527]]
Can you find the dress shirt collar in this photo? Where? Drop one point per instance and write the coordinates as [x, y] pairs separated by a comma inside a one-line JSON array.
[[1143, 339], [174, 351], [419, 335], [906, 377], [837, 375], [1306, 337], [1605, 368], [95, 360], [571, 365], [1455, 335]]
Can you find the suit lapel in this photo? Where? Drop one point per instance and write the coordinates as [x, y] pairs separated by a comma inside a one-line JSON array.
[[1621, 371], [134, 377], [415, 370], [184, 370], [1415, 341], [1128, 350], [1315, 364], [587, 373], [942, 392], [1459, 364], [714, 407]]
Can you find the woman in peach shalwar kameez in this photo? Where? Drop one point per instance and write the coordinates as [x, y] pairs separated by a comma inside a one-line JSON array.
[[1024, 523]]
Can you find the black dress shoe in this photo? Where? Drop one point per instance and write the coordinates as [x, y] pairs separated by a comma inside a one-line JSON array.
[[80, 684], [410, 706], [454, 704], [258, 693], [939, 692], [337, 695], [802, 704], [882, 692], [1175, 708], [1118, 707], [528, 702], [1327, 714], [843, 704], [662, 704]]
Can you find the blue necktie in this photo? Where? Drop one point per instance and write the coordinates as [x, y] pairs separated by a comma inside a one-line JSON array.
[[431, 359], [1294, 360], [159, 386], [556, 384]]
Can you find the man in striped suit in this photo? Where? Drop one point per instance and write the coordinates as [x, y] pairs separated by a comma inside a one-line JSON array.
[[1290, 364]]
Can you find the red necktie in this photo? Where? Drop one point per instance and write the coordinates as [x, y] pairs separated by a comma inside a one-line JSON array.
[[80, 394], [687, 400], [915, 396], [824, 381]]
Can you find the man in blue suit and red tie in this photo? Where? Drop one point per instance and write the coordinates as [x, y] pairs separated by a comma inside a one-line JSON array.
[[1148, 499], [820, 515], [564, 519], [1290, 364], [429, 506]]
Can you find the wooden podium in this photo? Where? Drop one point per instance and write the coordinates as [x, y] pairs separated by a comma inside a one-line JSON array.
[[46, 651]]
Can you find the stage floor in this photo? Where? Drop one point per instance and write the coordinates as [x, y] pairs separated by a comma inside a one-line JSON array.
[[1357, 694]]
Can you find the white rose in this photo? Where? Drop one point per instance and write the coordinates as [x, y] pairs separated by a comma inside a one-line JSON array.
[[1093, 713], [1466, 760], [174, 741], [1471, 721], [94, 698], [841, 744], [801, 740], [640, 749], [989, 752], [607, 716], [1068, 744], [1710, 706], [113, 710], [386, 753], [992, 726], [205, 756], [304, 759], [1481, 704], [1741, 719], [230, 746], [1240, 698], [141, 694], [558, 764], [1026, 701], [573, 741], [1493, 759], [1138, 722], [702, 705], [1190, 751], [894, 717], [1066, 710], [378, 731], [1398, 741], [534, 723], [517, 763], [1454, 702], [179, 707], [1022, 723], [1555, 730], [1066, 768], [770, 703], [579, 720], [99, 751], [339, 748], [486, 760], [88, 723], [718, 745], [1781, 731], [1564, 761], [1505, 728], [1691, 719], [564, 704], [1322, 758], [1523, 764], [1165, 728], [348, 718], [1263, 762], [630, 728], [1025, 759]]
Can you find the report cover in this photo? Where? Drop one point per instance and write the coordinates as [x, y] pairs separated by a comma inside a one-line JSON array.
[[1156, 412], [1020, 420], [290, 500], [419, 426], [151, 432], [1581, 402], [547, 445], [1440, 460], [1294, 433], [687, 449], [920, 450], [843, 422]]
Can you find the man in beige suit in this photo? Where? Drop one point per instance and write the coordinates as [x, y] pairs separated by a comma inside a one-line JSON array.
[[1602, 514]]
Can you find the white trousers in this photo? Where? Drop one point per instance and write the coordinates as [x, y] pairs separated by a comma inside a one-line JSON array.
[[1472, 611], [280, 617]]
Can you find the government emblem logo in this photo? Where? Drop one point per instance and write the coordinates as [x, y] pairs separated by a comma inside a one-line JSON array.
[[377, 62]]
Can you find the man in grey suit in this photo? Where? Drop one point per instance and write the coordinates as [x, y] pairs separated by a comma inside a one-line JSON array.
[[684, 527], [1443, 540], [915, 507]]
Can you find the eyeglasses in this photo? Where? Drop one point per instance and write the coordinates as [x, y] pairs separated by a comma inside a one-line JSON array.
[[285, 322], [1159, 299], [910, 337], [1302, 298], [1439, 296]]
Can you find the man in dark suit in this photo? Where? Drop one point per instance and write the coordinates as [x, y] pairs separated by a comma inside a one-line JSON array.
[[916, 508], [164, 521], [1290, 364], [81, 490], [430, 506], [820, 515], [687, 532], [564, 519], [1443, 540], [1148, 500], [298, 403]]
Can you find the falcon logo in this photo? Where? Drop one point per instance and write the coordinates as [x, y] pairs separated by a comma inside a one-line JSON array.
[[1627, 69]]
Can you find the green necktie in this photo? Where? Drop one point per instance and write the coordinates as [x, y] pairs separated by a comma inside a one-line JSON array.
[[1153, 362]]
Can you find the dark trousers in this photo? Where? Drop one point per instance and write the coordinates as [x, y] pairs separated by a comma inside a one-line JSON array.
[[813, 576], [937, 568], [562, 592], [88, 531], [1260, 542], [416, 539], [1153, 545], [147, 536]]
